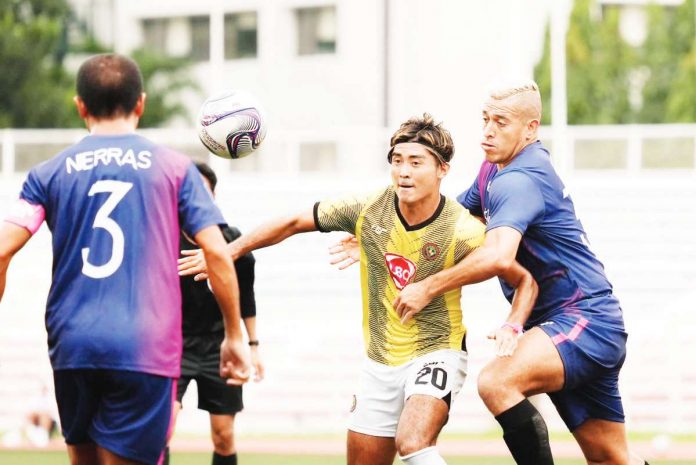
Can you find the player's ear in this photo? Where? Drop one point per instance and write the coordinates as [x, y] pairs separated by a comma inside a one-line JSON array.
[[140, 105], [81, 107], [443, 169], [532, 126]]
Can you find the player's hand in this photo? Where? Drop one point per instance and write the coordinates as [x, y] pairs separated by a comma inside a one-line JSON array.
[[257, 364], [411, 300], [505, 341], [193, 263], [345, 252], [235, 365]]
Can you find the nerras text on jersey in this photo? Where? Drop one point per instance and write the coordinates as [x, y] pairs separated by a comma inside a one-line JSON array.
[[90, 159]]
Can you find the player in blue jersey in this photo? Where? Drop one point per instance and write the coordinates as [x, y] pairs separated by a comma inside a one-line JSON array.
[[115, 203], [574, 342]]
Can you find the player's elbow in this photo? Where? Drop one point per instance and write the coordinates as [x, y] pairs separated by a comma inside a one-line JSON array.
[[217, 254], [501, 264]]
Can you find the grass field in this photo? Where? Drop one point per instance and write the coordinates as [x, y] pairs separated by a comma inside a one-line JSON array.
[[60, 458]]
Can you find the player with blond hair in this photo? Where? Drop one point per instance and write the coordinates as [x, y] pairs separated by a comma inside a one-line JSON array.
[[574, 342], [406, 232]]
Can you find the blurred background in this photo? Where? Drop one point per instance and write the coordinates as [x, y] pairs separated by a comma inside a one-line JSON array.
[[337, 77]]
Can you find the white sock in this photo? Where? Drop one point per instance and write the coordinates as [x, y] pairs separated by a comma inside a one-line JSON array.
[[427, 456]]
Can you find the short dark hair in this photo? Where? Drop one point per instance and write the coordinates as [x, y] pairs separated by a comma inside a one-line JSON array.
[[208, 174], [427, 132], [109, 85]]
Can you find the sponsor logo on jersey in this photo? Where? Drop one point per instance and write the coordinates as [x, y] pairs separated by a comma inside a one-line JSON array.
[[378, 229], [400, 268], [430, 251]]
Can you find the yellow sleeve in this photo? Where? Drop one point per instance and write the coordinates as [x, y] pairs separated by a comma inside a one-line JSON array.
[[468, 236], [339, 215]]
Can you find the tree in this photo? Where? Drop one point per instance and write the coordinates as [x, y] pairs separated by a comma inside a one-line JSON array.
[[681, 99], [35, 91], [164, 78], [602, 69]]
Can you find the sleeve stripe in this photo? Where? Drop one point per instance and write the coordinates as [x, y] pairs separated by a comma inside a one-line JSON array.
[[315, 212]]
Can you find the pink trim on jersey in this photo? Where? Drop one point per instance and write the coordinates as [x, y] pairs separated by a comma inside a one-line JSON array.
[[573, 334], [26, 215], [172, 421]]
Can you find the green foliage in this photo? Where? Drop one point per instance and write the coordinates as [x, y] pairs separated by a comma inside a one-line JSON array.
[[681, 98], [542, 76], [602, 69], [599, 63], [35, 91], [165, 79], [668, 94]]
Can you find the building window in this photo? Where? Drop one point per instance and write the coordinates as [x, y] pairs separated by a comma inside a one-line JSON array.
[[318, 156], [316, 30], [200, 38], [155, 35], [240, 35]]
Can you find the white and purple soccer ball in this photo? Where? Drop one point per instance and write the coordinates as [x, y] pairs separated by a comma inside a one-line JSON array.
[[231, 124]]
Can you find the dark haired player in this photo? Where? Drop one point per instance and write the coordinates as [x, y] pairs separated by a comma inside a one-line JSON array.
[[203, 332], [406, 231], [115, 203], [575, 341]]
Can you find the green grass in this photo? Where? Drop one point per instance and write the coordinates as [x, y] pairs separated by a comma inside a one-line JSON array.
[[61, 458]]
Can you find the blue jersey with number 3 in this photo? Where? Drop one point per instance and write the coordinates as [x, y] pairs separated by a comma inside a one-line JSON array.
[[528, 196], [113, 205]]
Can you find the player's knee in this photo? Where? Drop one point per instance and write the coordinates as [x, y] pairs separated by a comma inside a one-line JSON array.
[[492, 385], [408, 442], [223, 441]]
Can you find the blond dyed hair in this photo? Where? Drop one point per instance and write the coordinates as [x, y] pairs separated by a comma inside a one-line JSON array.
[[525, 91]]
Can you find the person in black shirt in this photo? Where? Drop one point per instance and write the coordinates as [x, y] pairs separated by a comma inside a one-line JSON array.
[[203, 331]]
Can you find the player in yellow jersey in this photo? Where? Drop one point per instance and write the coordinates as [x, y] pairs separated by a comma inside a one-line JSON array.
[[406, 232]]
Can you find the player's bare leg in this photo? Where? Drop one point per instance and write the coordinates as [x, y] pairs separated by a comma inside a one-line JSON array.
[[604, 443], [83, 454], [109, 458], [374, 450], [506, 382], [419, 426], [222, 433]]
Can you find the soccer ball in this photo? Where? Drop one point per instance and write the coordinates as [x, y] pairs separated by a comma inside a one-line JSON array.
[[231, 124]]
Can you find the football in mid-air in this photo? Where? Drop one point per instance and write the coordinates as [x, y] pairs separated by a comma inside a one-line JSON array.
[[232, 124]]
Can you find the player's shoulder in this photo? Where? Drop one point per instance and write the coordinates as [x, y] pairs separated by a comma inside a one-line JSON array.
[[465, 223], [361, 201]]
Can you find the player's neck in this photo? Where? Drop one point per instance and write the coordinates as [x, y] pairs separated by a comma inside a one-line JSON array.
[[114, 126], [421, 211]]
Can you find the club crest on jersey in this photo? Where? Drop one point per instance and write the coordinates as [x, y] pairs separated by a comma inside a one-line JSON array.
[[430, 251], [400, 268]]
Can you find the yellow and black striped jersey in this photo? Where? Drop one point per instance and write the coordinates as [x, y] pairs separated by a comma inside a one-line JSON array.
[[394, 254]]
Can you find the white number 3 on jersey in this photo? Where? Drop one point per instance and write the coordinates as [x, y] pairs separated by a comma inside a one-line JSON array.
[[117, 190]]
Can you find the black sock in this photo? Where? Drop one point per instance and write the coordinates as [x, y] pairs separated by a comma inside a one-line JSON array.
[[166, 456], [224, 459], [646, 463], [525, 434]]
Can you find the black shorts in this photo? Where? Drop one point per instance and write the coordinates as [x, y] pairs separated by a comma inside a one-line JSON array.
[[200, 361]]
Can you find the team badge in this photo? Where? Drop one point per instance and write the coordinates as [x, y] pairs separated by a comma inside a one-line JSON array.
[[430, 251], [354, 404], [401, 269]]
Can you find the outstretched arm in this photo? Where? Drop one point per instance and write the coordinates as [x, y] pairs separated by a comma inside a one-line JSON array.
[[273, 232], [234, 358], [12, 239], [494, 258]]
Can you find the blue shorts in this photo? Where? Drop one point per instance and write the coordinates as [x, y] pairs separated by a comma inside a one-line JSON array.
[[126, 412], [592, 346]]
